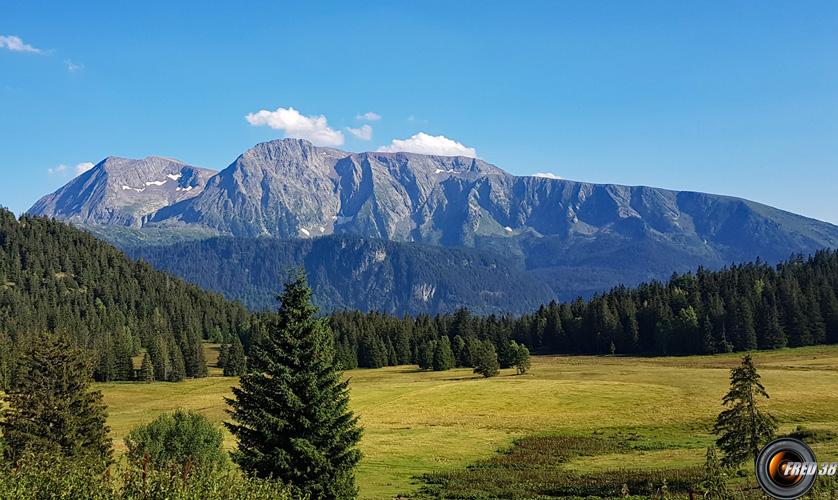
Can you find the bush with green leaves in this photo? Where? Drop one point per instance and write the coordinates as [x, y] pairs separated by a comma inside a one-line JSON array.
[[521, 357], [486, 360], [37, 477], [177, 440]]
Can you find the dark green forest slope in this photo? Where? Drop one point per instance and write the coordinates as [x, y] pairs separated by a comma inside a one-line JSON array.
[[347, 272], [56, 278], [740, 308]]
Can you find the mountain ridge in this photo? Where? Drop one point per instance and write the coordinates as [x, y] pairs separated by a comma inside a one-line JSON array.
[[582, 237]]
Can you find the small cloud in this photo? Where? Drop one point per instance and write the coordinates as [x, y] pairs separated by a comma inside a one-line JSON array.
[[73, 67], [83, 167], [15, 44], [546, 175], [312, 128], [364, 132], [59, 170], [62, 169], [369, 116], [423, 143]]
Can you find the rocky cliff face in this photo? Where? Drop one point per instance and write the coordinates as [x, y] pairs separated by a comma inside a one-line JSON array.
[[123, 192], [579, 237], [289, 188]]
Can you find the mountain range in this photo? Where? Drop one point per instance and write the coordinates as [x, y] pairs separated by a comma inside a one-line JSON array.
[[576, 238]]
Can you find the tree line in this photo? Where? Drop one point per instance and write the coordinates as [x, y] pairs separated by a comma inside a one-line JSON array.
[[141, 324], [739, 308], [55, 278]]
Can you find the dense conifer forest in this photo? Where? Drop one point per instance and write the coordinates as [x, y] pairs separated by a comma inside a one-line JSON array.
[[740, 308], [55, 278]]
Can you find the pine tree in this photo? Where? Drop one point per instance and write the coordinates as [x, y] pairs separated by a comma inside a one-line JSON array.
[[708, 341], [222, 355], [770, 332], [146, 369], [290, 413], [426, 355], [443, 355], [52, 410], [458, 347], [742, 427], [177, 371], [235, 363]]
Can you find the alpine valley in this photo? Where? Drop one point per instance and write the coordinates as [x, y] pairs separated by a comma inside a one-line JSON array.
[[403, 232]]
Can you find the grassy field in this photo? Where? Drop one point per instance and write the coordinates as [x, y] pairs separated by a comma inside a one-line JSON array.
[[418, 422]]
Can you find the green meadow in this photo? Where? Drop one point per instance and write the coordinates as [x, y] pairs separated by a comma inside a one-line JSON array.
[[431, 422]]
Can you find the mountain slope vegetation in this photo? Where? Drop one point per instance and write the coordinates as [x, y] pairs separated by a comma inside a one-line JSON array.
[[348, 272], [55, 278]]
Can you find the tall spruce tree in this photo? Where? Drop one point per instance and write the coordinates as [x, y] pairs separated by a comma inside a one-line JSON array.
[[743, 427], [290, 414], [52, 410], [235, 363], [146, 369], [443, 355]]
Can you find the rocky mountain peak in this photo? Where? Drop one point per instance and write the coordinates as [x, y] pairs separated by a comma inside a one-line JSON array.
[[123, 191]]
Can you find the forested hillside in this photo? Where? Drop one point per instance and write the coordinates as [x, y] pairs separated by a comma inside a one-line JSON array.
[[56, 278], [59, 279], [347, 272], [751, 306]]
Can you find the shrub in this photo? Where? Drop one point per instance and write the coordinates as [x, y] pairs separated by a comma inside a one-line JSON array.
[[41, 477], [486, 360], [55, 476], [176, 439]]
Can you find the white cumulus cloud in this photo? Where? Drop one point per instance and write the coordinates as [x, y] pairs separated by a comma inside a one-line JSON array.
[[369, 116], [423, 143], [546, 175], [63, 169], [294, 124], [83, 167], [15, 44], [364, 132]]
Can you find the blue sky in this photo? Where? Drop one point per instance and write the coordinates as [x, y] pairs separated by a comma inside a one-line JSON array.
[[737, 98]]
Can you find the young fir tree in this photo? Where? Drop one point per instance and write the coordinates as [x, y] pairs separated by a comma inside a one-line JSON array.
[[742, 427], [235, 364], [146, 369], [222, 355], [290, 414], [486, 360], [425, 356], [443, 355], [52, 410]]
